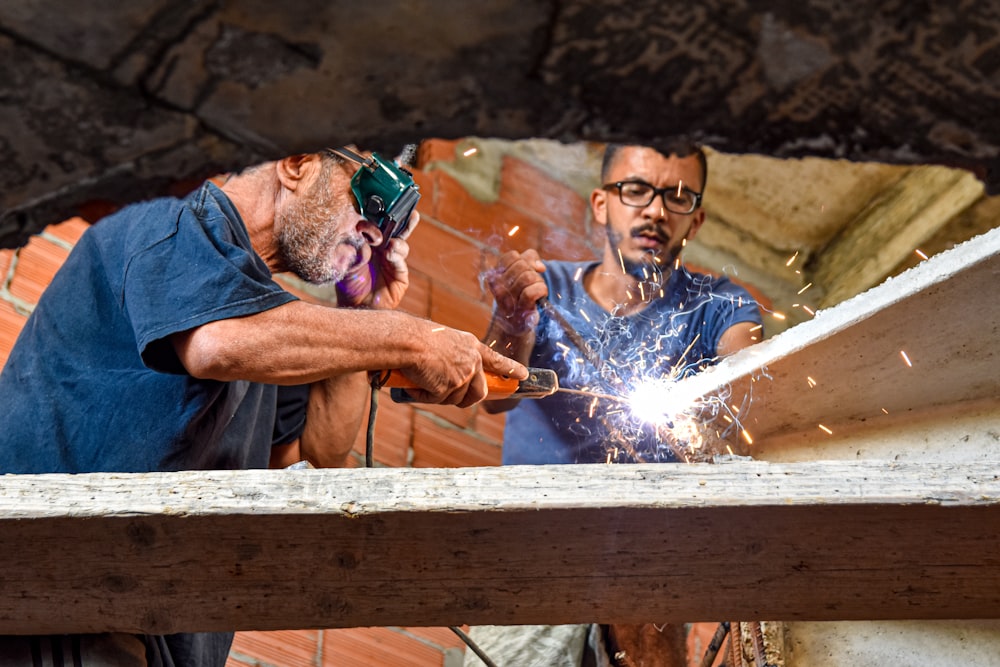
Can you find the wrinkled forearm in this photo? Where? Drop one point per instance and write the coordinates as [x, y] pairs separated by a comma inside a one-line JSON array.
[[299, 343], [335, 416]]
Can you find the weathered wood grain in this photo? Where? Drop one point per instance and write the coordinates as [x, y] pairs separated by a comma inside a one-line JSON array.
[[338, 548]]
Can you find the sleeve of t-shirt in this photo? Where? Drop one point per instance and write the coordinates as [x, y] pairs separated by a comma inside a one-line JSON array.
[[732, 304], [198, 271], [290, 419]]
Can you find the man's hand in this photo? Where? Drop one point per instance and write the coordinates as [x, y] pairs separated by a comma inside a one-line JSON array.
[[382, 282], [517, 286], [451, 368]]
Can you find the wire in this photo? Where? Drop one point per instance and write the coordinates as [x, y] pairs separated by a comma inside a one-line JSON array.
[[472, 645], [377, 382]]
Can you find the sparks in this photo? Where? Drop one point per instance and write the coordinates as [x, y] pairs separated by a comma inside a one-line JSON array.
[[805, 288], [885, 411], [810, 381], [470, 151], [808, 310], [437, 329], [660, 401], [920, 253], [825, 429], [746, 436], [778, 316], [584, 315], [576, 276], [906, 359], [621, 260], [792, 258], [513, 230], [680, 187], [493, 342]]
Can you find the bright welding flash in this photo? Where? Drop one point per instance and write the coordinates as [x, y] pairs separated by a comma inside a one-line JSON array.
[[658, 401]]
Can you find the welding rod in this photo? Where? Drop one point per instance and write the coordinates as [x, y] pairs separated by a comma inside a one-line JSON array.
[[572, 334]]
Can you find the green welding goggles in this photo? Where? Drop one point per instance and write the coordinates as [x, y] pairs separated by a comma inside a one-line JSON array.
[[385, 192]]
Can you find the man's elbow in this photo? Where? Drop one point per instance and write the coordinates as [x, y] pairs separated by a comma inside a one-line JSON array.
[[205, 354]]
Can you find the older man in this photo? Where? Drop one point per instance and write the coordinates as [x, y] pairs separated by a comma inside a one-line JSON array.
[[164, 344]]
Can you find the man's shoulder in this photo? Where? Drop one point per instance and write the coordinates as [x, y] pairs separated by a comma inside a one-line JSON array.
[[713, 284]]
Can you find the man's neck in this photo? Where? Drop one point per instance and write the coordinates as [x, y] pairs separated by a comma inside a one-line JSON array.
[[253, 196], [619, 292]]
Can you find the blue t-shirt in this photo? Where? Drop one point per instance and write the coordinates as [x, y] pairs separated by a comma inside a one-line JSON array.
[[675, 335], [93, 383]]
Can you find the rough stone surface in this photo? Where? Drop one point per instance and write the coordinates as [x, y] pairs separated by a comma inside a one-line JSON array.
[[111, 100]]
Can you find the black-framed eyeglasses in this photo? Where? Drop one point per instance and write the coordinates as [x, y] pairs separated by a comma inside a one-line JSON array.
[[640, 194]]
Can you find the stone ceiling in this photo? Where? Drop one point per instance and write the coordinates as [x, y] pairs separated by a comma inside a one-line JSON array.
[[799, 100]]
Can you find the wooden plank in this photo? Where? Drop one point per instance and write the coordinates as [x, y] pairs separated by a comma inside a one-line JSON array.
[[245, 550], [847, 365]]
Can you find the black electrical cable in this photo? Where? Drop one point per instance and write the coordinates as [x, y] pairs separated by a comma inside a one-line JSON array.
[[473, 646], [377, 381]]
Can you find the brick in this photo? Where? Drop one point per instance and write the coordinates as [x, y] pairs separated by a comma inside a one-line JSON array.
[[490, 426], [436, 150], [68, 231], [446, 257], [427, 183], [460, 417], [37, 263], [443, 637], [393, 431], [458, 311], [284, 648], [377, 647], [417, 300], [506, 228], [11, 323], [531, 190], [437, 444], [570, 245], [456, 208]]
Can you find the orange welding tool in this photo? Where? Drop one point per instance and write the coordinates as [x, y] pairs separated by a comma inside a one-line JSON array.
[[540, 382]]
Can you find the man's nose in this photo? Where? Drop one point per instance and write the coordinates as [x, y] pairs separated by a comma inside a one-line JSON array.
[[657, 208], [370, 231]]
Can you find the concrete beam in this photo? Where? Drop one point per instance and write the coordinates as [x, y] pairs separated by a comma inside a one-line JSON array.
[[890, 228], [924, 339], [373, 547]]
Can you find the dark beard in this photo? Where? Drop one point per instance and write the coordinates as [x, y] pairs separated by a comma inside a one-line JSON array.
[[647, 269]]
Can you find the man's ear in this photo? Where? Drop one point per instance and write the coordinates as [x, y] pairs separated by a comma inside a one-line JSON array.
[[293, 169], [599, 205], [696, 223]]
